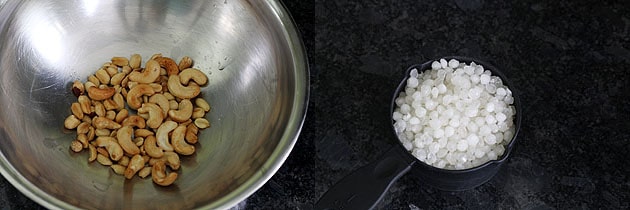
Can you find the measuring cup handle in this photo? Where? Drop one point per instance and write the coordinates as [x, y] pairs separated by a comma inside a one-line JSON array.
[[366, 186]]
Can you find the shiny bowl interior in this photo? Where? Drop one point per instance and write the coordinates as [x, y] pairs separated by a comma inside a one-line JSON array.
[[258, 90]]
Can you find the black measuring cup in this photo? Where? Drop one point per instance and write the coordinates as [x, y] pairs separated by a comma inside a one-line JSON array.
[[366, 186]]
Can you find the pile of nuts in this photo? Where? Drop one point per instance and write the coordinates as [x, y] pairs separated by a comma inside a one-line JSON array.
[[169, 115]]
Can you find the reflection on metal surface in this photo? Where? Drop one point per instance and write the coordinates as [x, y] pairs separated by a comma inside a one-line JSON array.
[[258, 90]]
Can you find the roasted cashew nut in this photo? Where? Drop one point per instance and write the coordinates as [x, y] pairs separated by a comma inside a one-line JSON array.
[[161, 101], [143, 133], [179, 144], [135, 164], [151, 148], [162, 135], [134, 121], [176, 88], [184, 112], [155, 114], [99, 94], [134, 96], [111, 145], [195, 74], [159, 176], [171, 158], [168, 64], [124, 135]]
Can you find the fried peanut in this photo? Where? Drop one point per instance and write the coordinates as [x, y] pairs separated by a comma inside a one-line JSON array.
[[85, 103], [76, 146], [103, 122], [82, 138], [112, 70], [76, 110], [184, 63], [191, 133], [112, 147], [118, 169], [83, 128], [201, 103], [111, 114], [135, 61], [102, 76], [202, 123], [120, 61], [117, 78], [122, 115], [77, 88], [198, 113], [93, 153], [103, 160], [144, 172], [99, 109], [71, 122]]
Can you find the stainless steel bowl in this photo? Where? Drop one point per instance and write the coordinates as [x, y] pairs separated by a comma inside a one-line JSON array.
[[258, 89]]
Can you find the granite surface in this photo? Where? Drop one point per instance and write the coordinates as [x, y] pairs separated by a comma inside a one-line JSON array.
[[567, 61]]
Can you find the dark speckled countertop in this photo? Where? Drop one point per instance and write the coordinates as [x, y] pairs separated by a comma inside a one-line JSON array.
[[567, 59]]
